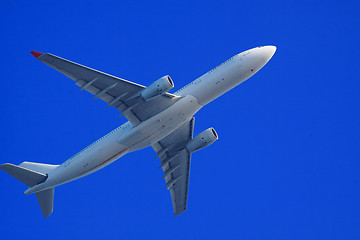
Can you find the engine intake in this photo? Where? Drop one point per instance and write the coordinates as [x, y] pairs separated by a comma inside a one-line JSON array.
[[204, 139], [158, 87]]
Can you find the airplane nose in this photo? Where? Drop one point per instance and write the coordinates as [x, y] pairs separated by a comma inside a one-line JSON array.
[[268, 52], [260, 56]]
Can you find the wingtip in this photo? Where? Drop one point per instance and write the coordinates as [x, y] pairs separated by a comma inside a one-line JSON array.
[[36, 54]]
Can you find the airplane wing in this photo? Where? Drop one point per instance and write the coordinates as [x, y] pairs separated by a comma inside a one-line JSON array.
[[175, 162], [115, 91]]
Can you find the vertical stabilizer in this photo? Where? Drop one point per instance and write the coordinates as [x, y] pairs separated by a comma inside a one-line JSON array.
[[46, 201], [32, 174]]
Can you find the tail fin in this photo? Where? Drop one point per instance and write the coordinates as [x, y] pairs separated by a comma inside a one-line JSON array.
[[46, 201], [32, 174], [26, 176]]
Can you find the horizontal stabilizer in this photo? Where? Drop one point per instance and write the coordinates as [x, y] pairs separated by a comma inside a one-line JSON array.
[[26, 176], [38, 167], [46, 201]]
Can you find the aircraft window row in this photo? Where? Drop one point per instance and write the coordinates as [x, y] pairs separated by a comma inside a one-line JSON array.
[[95, 142], [223, 63], [185, 86], [207, 72]]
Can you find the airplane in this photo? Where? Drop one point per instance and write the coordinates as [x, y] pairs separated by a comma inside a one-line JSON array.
[[155, 117]]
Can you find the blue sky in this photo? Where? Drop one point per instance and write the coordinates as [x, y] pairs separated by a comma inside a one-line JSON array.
[[286, 165]]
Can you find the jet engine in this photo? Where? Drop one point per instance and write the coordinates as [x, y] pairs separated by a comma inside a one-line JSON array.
[[160, 86], [204, 139]]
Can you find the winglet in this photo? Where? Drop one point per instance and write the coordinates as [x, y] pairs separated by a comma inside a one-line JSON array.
[[36, 54]]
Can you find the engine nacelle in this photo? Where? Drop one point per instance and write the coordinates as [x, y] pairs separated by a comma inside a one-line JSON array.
[[204, 139], [160, 86]]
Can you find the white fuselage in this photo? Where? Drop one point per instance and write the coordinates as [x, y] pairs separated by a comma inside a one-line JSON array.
[[128, 138]]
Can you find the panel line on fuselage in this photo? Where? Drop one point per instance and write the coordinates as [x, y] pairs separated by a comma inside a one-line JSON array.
[[102, 163], [199, 78]]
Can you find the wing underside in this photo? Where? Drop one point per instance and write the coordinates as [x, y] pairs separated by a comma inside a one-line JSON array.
[[175, 162], [117, 92]]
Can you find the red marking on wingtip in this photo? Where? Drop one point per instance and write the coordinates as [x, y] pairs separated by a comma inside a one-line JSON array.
[[36, 54]]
